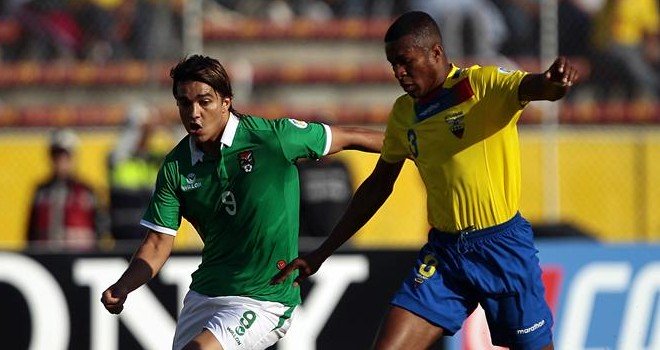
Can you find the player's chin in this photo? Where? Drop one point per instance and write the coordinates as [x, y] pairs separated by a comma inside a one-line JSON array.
[[198, 137], [414, 92]]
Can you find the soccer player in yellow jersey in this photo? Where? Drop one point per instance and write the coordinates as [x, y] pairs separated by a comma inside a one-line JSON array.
[[459, 126]]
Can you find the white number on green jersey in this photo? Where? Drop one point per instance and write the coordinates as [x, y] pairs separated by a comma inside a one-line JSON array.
[[229, 201]]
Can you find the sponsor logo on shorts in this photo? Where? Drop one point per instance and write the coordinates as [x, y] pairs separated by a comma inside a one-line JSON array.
[[245, 323], [534, 327], [281, 264], [233, 334], [426, 270]]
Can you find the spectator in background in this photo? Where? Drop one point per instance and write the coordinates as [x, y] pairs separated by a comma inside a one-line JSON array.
[[104, 21], [49, 30], [522, 19], [626, 39], [575, 21], [65, 212], [133, 166], [325, 191], [152, 29], [481, 18]]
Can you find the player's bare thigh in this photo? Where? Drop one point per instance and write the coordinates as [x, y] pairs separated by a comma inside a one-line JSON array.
[[203, 341], [404, 330], [547, 347]]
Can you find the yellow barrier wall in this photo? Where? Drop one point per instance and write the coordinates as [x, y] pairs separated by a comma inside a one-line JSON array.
[[608, 184]]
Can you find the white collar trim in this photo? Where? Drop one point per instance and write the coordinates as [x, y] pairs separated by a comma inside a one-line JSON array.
[[230, 130], [196, 154]]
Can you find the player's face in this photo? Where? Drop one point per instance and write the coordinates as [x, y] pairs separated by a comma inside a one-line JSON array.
[[417, 69], [202, 110]]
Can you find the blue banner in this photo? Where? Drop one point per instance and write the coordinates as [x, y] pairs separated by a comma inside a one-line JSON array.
[[603, 296]]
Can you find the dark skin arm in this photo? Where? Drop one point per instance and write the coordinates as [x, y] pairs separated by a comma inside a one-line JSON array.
[[352, 138], [147, 261], [550, 85], [368, 198]]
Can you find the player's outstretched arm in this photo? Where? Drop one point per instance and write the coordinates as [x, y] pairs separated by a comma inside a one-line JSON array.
[[362, 139], [551, 85], [368, 198], [147, 261]]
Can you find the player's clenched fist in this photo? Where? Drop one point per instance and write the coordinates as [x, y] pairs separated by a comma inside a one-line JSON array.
[[306, 266], [562, 72], [113, 299]]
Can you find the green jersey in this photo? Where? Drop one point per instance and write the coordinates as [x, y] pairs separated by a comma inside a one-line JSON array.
[[244, 203]]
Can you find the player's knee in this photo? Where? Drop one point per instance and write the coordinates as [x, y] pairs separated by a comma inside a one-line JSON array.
[[197, 345]]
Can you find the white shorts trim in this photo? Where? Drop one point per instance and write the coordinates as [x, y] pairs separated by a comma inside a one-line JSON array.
[[239, 323]]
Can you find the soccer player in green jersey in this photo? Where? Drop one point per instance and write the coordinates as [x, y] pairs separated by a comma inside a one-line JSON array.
[[233, 177], [459, 127]]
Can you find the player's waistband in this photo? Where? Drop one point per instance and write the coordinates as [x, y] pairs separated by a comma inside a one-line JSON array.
[[471, 234]]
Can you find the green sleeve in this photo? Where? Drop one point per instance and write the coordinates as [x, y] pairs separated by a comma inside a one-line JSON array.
[[163, 214], [300, 139]]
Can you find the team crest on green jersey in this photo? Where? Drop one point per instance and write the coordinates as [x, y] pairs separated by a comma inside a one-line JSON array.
[[246, 160], [456, 123]]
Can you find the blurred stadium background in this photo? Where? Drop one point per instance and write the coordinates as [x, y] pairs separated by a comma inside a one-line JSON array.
[[589, 162]]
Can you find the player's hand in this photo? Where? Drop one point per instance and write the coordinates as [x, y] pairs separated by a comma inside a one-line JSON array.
[[307, 266], [562, 72], [113, 299]]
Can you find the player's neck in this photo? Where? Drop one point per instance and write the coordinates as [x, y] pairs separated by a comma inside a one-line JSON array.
[[437, 88], [430, 96], [212, 147]]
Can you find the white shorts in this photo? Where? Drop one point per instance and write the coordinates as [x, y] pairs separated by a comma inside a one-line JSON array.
[[237, 322]]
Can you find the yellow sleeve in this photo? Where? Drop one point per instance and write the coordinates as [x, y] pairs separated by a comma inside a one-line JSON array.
[[498, 87], [395, 145]]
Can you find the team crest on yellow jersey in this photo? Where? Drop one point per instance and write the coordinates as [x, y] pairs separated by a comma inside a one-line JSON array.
[[456, 123]]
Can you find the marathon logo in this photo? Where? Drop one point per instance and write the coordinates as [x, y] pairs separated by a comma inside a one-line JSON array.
[[531, 329]]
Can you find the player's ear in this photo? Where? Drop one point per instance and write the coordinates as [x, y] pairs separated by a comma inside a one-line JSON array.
[[226, 103], [437, 52]]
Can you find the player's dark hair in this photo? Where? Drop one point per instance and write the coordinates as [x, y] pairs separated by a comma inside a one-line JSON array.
[[203, 69], [419, 24]]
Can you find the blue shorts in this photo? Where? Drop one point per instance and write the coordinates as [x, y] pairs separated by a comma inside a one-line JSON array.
[[496, 267]]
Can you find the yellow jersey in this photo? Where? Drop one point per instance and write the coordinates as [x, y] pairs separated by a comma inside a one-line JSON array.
[[464, 140]]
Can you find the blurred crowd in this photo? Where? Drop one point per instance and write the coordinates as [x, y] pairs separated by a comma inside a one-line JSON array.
[[618, 37], [97, 30]]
